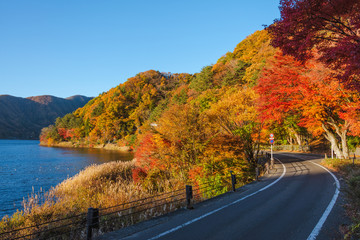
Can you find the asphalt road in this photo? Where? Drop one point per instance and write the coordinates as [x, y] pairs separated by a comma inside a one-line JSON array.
[[286, 204]]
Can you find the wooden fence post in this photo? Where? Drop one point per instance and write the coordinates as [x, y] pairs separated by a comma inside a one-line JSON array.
[[92, 221], [354, 160], [189, 196], [233, 182]]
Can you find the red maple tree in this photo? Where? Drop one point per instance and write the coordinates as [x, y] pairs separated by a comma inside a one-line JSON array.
[[331, 26], [308, 90]]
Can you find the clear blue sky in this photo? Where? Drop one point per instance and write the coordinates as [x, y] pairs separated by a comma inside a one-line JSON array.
[[68, 47]]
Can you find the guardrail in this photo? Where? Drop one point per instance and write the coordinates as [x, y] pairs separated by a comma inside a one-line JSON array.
[[100, 220]]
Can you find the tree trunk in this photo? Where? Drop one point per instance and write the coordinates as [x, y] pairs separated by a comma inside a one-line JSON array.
[[344, 144], [330, 136], [298, 138], [342, 133]]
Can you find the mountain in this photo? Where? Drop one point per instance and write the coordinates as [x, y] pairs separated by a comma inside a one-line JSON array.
[[23, 118]]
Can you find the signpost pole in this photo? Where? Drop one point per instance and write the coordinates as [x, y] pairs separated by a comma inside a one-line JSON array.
[[272, 158], [271, 144]]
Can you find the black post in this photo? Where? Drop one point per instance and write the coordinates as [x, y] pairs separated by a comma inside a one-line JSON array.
[[92, 221], [233, 182], [189, 196], [257, 173], [354, 160]]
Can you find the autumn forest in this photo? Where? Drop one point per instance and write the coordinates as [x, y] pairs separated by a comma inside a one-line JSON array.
[[189, 127], [291, 79]]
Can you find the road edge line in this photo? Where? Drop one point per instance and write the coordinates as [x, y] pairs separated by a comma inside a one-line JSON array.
[[221, 208], [315, 232]]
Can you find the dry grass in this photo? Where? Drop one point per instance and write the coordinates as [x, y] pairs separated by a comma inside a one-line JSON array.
[[98, 186]]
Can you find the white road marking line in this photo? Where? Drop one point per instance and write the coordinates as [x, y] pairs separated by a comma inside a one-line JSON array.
[[219, 209], [323, 218]]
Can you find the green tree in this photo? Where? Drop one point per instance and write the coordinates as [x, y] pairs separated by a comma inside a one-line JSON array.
[[203, 80]]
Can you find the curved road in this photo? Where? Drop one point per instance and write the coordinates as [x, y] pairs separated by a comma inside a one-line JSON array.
[[286, 204]]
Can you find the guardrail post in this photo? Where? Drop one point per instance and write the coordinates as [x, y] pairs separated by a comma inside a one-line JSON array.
[[92, 221], [233, 182], [189, 196], [354, 160]]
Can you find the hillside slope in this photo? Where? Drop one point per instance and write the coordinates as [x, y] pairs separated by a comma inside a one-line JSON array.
[[23, 118], [121, 114]]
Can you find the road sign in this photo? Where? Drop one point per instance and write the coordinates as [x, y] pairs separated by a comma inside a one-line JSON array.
[[271, 136], [271, 141]]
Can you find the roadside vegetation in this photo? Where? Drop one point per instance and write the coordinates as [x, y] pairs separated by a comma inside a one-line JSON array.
[[104, 186], [351, 173]]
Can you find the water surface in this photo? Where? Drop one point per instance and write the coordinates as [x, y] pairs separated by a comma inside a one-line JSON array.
[[26, 167]]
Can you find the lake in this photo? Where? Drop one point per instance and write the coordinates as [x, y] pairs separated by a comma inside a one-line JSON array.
[[26, 167]]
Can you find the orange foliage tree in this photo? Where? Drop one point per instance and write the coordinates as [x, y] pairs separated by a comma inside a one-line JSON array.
[[310, 91]]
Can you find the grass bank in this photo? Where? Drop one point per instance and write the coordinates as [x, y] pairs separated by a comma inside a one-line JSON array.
[[97, 186], [351, 173]]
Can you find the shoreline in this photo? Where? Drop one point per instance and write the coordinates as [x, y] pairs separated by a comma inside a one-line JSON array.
[[107, 146], [42, 160]]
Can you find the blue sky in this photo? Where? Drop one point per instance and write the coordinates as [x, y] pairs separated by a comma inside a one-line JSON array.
[[69, 47]]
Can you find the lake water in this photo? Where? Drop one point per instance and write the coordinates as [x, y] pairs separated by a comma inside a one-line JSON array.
[[26, 167]]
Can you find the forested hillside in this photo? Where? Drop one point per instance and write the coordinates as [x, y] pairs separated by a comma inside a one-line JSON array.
[[197, 121], [119, 113], [218, 119], [23, 118]]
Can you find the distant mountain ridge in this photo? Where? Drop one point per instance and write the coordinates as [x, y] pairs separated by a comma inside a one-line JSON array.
[[23, 118]]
